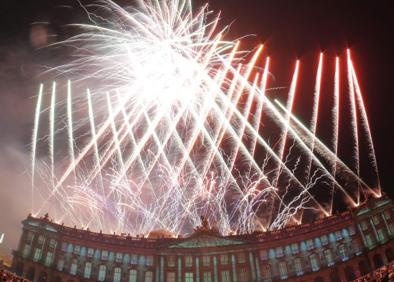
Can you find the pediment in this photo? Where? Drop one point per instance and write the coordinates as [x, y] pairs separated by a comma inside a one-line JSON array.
[[205, 241]]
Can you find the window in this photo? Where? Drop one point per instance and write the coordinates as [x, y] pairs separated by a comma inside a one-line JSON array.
[[314, 262], [266, 272], [133, 275], [149, 260], [224, 259], [391, 228], [189, 277], [90, 252], [298, 266], [73, 267], [117, 274], [288, 250], [243, 275], [369, 240], [352, 230], [338, 235], [64, 247], [188, 261], [342, 252], [60, 265], [317, 242], [171, 261], [226, 276], [49, 259], [26, 251], [170, 277], [387, 214], [263, 255], [241, 257], [29, 237], [283, 270], [207, 276], [148, 276], [381, 235], [70, 248], [206, 260], [271, 254], [309, 244], [303, 247], [37, 254], [102, 272], [279, 252], [294, 248], [364, 225], [133, 259], [52, 244], [119, 257], [329, 257], [87, 270], [41, 240], [375, 219], [324, 240], [104, 255], [77, 250]]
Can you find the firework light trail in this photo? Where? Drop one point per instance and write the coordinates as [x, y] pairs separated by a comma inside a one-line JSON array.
[[173, 129]]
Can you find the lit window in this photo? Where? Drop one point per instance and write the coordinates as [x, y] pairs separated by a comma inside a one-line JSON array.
[[90, 252], [73, 267], [224, 259], [49, 259], [52, 243], [133, 259], [241, 257], [375, 219], [263, 255], [188, 261], [170, 277], [243, 275], [119, 257], [189, 277], [342, 252], [104, 255], [283, 270], [77, 249], [102, 272], [26, 251], [314, 262], [298, 266], [133, 275], [60, 265], [148, 276], [149, 260], [37, 254], [294, 248], [387, 214], [117, 274], [171, 261], [309, 244], [226, 276], [329, 257], [324, 240], [207, 276], [206, 260], [279, 252], [88, 270]]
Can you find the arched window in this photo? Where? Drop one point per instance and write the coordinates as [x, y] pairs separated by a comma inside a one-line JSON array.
[[349, 273], [102, 272], [271, 254], [117, 274], [389, 254], [88, 270]]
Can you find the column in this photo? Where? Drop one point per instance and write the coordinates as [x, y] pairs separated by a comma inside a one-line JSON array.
[[374, 230], [215, 269], [179, 269], [161, 268], [197, 269], [257, 263], [233, 268], [252, 268]]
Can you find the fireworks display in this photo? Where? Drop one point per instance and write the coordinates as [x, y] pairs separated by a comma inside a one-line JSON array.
[[175, 122]]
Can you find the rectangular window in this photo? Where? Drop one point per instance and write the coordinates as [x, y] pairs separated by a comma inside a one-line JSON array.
[[64, 247], [263, 255], [375, 219], [369, 240], [29, 238], [189, 277], [266, 272], [37, 254], [329, 258], [49, 259], [342, 252], [338, 235], [298, 266], [314, 262], [283, 270], [294, 248], [148, 276], [88, 270], [171, 261], [60, 265], [324, 240], [77, 249], [102, 272], [149, 260], [381, 235], [364, 225], [206, 260], [133, 259], [26, 250], [73, 267], [133, 275], [188, 261], [41, 240], [241, 257], [52, 244], [226, 276], [224, 259], [170, 277], [279, 252], [243, 275], [207, 276], [104, 255], [119, 257], [117, 274], [309, 244], [90, 252]]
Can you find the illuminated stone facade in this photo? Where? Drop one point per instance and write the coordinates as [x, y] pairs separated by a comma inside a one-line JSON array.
[[338, 248]]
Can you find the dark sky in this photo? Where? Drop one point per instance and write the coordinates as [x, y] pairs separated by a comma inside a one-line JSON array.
[[290, 29]]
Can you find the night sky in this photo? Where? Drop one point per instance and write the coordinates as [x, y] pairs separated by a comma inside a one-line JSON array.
[[289, 29]]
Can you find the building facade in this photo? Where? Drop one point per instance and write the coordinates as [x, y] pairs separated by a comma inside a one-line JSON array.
[[337, 248]]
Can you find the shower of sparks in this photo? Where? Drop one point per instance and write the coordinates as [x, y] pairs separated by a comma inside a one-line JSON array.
[[173, 130]]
